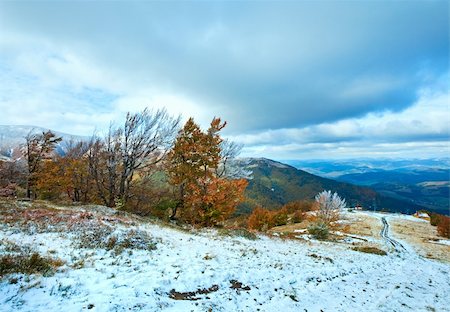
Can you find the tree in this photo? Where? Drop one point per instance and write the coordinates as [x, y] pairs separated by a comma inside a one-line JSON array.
[[66, 174], [141, 142], [205, 196], [329, 206], [38, 147]]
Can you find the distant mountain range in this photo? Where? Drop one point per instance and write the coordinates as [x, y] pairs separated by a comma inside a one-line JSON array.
[[13, 137], [424, 182], [275, 184]]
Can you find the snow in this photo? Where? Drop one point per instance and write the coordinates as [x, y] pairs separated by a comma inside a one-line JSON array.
[[441, 242], [283, 275]]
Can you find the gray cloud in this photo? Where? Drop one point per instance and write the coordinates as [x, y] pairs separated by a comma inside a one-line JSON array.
[[259, 65]]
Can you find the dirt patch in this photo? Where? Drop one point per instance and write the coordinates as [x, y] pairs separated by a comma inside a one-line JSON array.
[[421, 235]]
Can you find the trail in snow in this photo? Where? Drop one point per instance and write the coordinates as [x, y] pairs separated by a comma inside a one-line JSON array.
[[398, 247]]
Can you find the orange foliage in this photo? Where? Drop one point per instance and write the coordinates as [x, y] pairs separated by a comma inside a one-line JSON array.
[[260, 219], [443, 226], [204, 197]]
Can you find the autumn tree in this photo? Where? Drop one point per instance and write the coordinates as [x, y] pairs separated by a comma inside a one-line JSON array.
[[204, 195], [38, 147], [67, 174], [141, 142]]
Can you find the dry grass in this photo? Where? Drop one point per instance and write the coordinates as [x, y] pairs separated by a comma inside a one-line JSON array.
[[28, 264], [363, 225], [290, 228], [372, 250], [420, 235]]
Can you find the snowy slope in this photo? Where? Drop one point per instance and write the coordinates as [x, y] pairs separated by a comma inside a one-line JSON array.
[[276, 274]]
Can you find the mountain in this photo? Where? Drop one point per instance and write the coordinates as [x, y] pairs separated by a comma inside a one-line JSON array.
[[337, 168], [424, 182], [275, 184], [13, 137]]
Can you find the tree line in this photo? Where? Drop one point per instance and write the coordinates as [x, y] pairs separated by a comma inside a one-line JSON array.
[[147, 165]]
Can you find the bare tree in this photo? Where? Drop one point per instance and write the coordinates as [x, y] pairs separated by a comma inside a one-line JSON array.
[[38, 146], [329, 206], [140, 143], [230, 166]]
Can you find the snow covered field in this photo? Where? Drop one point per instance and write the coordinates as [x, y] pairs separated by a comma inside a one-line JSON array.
[[208, 271]]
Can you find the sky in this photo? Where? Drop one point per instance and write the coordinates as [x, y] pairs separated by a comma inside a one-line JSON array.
[[293, 79]]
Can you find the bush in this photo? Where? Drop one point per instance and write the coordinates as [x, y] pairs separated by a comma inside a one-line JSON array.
[[319, 230], [372, 250], [298, 206], [297, 217], [238, 232], [279, 218], [33, 263], [443, 227], [435, 218], [329, 206], [261, 219]]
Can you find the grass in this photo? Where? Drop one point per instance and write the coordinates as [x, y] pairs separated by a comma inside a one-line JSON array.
[[371, 250], [103, 237], [28, 264], [238, 232]]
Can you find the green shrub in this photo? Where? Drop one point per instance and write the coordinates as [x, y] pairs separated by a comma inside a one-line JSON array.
[[319, 230]]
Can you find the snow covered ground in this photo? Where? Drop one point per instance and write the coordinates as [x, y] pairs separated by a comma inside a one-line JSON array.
[[208, 271]]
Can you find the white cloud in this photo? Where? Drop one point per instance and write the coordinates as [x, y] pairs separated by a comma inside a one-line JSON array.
[[422, 129]]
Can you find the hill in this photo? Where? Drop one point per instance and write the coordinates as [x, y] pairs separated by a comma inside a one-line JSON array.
[[274, 184], [58, 258]]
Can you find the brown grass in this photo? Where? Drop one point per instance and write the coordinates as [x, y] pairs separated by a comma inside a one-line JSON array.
[[422, 236], [363, 225], [28, 264], [372, 250]]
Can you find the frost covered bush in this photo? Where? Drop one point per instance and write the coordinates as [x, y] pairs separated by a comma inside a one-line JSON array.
[[104, 238], [329, 206], [319, 230], [97, 237]]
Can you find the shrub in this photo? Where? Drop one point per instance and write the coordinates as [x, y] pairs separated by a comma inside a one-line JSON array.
[[33, 263], [279, 218], [261, 219], [297, 216], [329, 206], [435, 218], [298, 206], [372, 250], [319, 230], [238, 232], [443, 227]]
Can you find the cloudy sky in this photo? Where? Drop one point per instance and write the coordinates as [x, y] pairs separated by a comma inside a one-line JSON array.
[[294, 79]]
